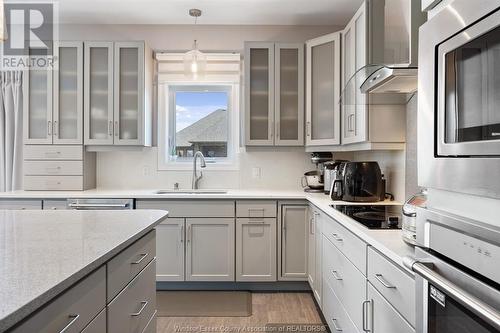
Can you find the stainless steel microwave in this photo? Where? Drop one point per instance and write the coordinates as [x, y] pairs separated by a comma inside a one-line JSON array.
[[459, 99]]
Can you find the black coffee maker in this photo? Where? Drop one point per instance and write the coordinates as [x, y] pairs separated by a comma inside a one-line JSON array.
[[359, 182]]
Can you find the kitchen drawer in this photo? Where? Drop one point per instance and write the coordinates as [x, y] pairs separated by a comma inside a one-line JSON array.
[[128, 263], [75, 308], [53, 152], [350, 245], [53, 183], [97, 325], [393, 283], [383, 317], [134, 306], [345, 280], [256, 208], [151, 325], [42, 168], [337, 318], [20, 204], [190, 207], [55, 204]]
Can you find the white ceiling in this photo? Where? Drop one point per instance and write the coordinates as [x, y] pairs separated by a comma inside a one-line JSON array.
[[239, 12]]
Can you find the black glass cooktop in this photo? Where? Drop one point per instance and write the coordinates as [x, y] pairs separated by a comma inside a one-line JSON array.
[[373, 216]]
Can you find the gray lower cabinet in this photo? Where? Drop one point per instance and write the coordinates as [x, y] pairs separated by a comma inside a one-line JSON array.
[[98, 324], [383, 317], [256, 249], [394, 284], [336, 316], [120, 296], [71, 311], [314, 254], [311, 248], [132, 309], [20, 204], [170, 250], [55, 204], [210, 249], [345, 280], [292, 239], [128, 263]]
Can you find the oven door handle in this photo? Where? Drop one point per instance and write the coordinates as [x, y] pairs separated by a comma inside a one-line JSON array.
[[478, 307]]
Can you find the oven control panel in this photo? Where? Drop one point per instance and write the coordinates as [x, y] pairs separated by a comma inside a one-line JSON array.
[[476, 254]]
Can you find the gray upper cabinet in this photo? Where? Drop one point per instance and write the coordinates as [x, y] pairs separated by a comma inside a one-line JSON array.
[[323, 90], [354, 57], [37, 114], [98, 93], [68, 94], [289, 94], [118, 93], [274, 101], [259, 93], [53, 102]]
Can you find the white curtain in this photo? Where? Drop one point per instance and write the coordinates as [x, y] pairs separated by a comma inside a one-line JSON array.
[[11, 130]]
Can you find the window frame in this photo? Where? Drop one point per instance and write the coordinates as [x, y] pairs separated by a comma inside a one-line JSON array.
[[167, 118]]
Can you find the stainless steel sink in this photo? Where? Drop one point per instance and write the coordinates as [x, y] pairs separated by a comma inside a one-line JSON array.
[[187, 191]]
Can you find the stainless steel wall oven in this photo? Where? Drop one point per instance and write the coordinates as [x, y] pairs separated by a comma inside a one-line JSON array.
[[457, 275]]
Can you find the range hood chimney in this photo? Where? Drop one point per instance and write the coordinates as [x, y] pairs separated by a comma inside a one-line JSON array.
[[401, 80]]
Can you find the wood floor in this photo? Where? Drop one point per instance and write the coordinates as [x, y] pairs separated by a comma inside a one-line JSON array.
[[267, 308]]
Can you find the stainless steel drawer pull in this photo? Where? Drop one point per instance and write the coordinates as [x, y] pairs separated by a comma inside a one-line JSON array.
[[364, 315], [384, 282], [110, 128], [97, 206], [336, 275], [143, 256], [73, 318], [254, 220], [466, 299], [144, 304], [335, 325], [337, 237]]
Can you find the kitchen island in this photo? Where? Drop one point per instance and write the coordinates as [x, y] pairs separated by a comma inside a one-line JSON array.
[[47, 259]]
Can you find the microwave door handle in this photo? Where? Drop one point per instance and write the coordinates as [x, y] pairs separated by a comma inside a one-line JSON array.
[[478, 307]]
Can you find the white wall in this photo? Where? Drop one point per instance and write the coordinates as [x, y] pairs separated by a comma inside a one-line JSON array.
[[281, 168]]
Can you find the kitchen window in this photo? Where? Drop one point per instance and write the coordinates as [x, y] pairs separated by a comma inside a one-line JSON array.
[[199, 117]]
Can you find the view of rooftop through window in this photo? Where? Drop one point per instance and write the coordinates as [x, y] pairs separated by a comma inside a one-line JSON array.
[[201, 123]]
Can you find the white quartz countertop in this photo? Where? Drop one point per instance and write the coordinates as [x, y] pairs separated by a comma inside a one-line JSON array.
[[152, 194], [45, 252], [388, 242]]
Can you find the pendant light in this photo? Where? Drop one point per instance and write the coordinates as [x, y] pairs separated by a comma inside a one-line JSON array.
[[194, 60]]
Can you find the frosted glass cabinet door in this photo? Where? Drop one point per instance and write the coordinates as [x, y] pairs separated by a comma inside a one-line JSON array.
[[129, 92], [323, 91], [259, 93], [37, 107], [68, 93], [354, 56], [98, 93], [289, 94]]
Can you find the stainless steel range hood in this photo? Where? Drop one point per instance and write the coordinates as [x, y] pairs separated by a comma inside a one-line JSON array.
[[385, 79]]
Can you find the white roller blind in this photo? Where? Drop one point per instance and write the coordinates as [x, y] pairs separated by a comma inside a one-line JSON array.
[[220, 67]]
